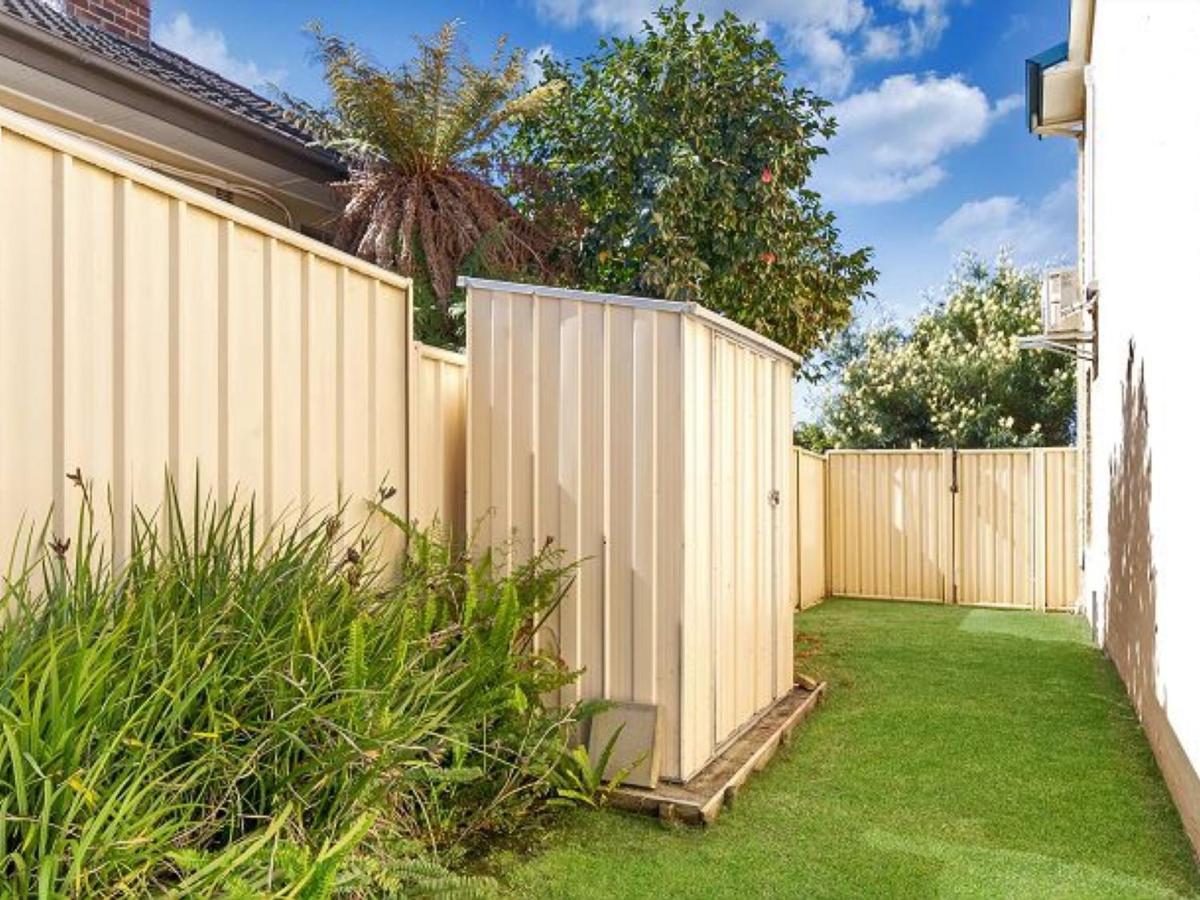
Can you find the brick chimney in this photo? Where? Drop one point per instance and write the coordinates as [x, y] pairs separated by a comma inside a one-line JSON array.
[[128, 19]]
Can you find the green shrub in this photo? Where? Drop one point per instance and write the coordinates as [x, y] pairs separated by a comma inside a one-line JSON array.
[[236, 712]]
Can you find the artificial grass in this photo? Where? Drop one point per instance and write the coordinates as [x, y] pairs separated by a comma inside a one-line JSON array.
[[959, 753]]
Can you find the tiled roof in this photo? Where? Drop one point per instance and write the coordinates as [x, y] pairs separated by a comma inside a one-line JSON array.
[[160, 64]]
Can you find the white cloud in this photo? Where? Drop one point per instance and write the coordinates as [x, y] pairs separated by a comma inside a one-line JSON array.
[[792, 16], [607, 15], [920, 29], [1008, 104], [1017, 24], [533, 63], [892, 140], [833, 69], [1035, 233], [883, 42], [928, 20], [207, 47], [830, 36]]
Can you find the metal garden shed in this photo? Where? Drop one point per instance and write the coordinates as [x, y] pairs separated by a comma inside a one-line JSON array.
[[652, 440]]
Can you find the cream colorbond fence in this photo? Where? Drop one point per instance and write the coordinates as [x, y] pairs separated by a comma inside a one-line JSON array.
[[808, 503], [890, 524], [1017, 535], [977, 527], [146, 328], [439, 446]]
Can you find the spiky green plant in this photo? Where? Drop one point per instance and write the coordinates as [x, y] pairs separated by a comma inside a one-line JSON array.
[[242, 711], [581, 780], [419, 141]]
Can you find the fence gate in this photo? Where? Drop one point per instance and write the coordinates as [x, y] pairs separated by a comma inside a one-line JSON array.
[[977, 527], [995, 524]]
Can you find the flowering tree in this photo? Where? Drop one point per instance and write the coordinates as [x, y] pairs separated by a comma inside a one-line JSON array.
[[676, 164], [956, 378]]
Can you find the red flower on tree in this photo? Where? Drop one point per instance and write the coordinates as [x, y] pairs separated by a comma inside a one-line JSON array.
[[767, 176]]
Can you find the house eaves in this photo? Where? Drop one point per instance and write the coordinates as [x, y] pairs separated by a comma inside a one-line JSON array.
[[69, 61]]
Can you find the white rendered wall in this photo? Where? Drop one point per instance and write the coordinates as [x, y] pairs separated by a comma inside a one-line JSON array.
[[1141, 237]]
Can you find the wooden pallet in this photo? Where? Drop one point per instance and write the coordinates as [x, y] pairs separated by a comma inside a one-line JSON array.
[[716, 785]]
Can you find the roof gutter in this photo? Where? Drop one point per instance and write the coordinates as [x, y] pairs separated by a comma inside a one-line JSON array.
[[34, 47]]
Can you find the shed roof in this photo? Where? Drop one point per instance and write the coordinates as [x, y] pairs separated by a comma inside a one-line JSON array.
[[720, 323]]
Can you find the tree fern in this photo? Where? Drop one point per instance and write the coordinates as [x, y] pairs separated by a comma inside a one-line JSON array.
[[418, 140]]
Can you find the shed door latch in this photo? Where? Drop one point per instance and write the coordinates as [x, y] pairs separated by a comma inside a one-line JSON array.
[[773, 497]]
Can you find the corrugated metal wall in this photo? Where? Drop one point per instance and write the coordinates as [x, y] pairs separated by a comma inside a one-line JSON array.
[[439, 445], [706, 493], [1007, 535], [633, 432], [573, 406], [808, 500], [146, 328], [739, 565]]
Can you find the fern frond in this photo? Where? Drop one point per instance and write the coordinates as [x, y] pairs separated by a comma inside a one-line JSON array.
[[419, 143]]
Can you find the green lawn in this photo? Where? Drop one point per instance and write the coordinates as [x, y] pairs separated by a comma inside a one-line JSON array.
[[960, 753]]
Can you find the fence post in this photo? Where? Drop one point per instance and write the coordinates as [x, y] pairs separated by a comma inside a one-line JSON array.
[[826, 520], [950, 592], [1038, 531]]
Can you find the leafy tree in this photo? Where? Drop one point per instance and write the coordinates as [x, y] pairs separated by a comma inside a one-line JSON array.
[[956, 378], [813, 436], [420, 141], [676, 164]]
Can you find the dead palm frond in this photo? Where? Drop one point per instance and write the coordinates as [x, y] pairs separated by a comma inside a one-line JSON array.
[[418, 142]]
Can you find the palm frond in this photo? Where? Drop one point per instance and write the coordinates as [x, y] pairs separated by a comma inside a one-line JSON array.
[[418, 142]]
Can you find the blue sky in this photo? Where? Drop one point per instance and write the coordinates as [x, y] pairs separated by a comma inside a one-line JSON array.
[[933, 157]]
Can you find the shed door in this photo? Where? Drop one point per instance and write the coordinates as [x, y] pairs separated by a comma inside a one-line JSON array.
[[748, 466]]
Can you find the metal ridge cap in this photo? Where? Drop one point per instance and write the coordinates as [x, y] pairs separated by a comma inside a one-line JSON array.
[[517, 287], [687, 308], [748, 335]]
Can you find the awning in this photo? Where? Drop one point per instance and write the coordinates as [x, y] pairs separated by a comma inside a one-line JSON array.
[[1054, 99]]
